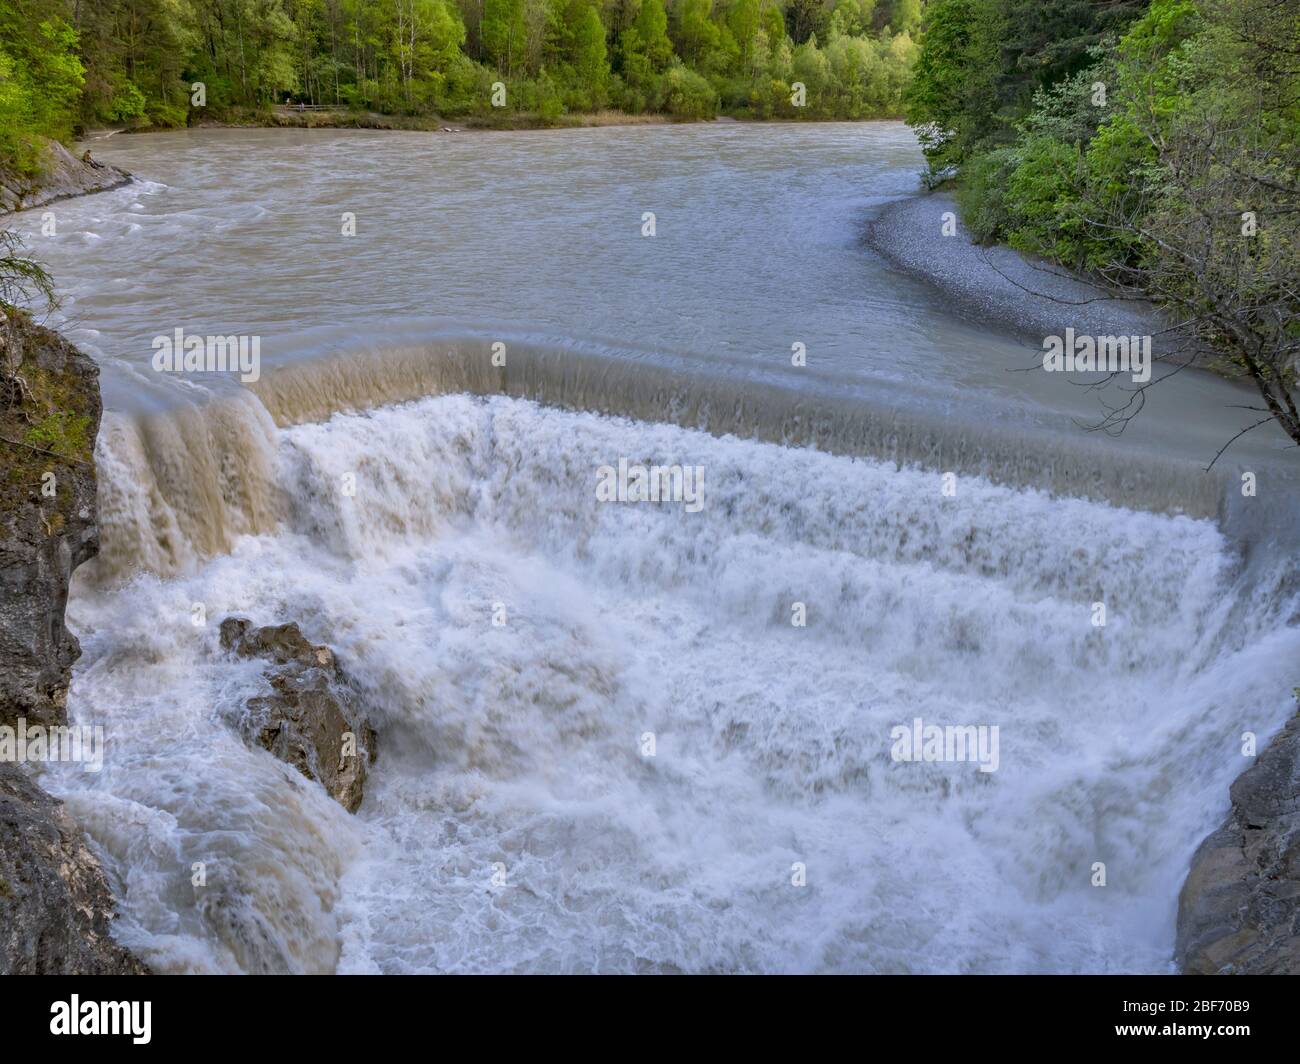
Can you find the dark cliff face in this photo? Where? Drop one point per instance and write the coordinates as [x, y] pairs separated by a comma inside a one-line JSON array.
[[49, 415], [1239, 910], [55, 904]]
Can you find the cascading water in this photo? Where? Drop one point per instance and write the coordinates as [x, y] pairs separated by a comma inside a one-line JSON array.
[[516, 749], [182, 484]]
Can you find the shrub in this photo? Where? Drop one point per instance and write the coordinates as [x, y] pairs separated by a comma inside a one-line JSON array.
[[685, 94], [982, 194]]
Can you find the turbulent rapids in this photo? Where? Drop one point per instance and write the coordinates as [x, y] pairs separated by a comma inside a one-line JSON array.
[[517, 748], [650, 737]]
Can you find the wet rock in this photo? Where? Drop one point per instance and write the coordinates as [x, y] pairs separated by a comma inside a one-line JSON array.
[[312, 718], [61, 176], [55, 905], [1239, 910]]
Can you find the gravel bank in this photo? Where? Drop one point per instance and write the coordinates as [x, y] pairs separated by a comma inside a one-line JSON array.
[[999, 286]]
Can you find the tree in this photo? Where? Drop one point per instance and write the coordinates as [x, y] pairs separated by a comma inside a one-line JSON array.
[[952, 100], [1178, 182], [1205, 217], [65, 63], [41, 79], [906, 16], [982, 62], [22, 280], [805, 18], [696, 32], [504, 33], [743, 21], [652, 32], [588, 54]]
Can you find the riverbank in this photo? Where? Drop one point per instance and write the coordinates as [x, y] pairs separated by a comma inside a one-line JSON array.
[[504, 119], [287, 117], [923, 237]]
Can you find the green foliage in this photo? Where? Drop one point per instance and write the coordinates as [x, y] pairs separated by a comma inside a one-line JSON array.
[[952, 100], [22, 280], [1082, 154], [742, 19], [503, 33], [982, 194], [588, 59], [685, 94], [651, 34], [62, 432], [15, 132], [1044, 192], [698, 36], [983, 63], [906, 16], [128, 103], [645, 50], [54, 75], [41, 79]]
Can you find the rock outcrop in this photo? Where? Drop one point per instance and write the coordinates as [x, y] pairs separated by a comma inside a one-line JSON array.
[[312, 719], [61, 175], [49, 415], [55, 904], [1239, 910]]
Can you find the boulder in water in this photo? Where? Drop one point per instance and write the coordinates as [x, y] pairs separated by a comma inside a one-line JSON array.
[[312, 719]]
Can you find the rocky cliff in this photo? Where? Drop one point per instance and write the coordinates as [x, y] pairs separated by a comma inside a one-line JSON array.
[[49, 415], [55, 905], [1239, 910]]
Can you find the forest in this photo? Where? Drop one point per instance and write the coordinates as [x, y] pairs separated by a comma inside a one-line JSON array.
[[69, 64]]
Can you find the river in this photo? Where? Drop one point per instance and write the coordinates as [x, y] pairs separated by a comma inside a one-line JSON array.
[[515, 820]]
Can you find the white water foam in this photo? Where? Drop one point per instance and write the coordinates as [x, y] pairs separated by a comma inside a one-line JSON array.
[[517, 750]]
